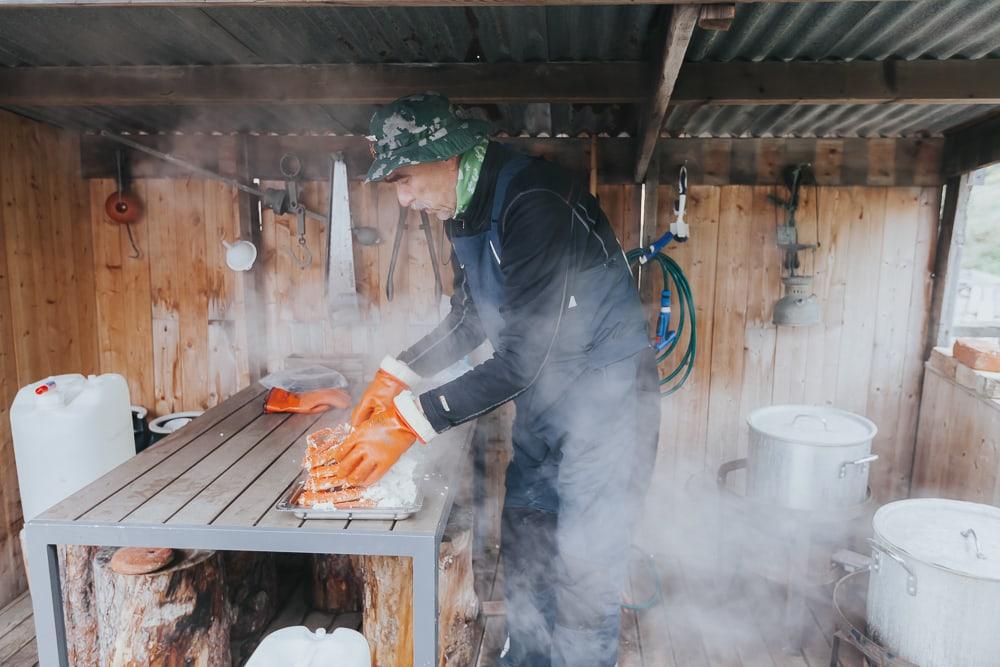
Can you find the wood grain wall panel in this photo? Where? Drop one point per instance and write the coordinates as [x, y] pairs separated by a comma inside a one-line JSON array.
[[871, 278], [47, 291], [958, 443]]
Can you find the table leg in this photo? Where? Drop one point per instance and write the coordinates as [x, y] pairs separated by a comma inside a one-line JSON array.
[[46, 600], [425, 604]]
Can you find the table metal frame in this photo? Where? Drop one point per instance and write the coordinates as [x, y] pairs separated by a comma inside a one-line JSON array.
[[418, 538]]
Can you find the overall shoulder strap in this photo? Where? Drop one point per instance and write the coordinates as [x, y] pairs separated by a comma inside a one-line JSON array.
[[507, 173]]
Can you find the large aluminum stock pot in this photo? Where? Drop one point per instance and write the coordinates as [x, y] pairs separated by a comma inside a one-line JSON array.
[[934, 587], [809, 458]]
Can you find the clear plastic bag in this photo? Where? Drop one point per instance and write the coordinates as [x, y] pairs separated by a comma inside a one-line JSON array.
[[308, 378]]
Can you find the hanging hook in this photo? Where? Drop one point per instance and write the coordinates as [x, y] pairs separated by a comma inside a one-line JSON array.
[[303, 258]]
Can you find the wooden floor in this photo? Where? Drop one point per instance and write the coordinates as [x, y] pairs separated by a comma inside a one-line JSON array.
[[17, 634], [693, 624]]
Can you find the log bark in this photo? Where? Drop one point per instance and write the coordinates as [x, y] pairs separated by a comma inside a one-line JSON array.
[[175, 616], [388, 609], [388, 601], [252, 588], [335, 582], [77, 581], [458, 603]]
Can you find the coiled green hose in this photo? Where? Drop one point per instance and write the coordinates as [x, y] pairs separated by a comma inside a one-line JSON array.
[[672, 273]]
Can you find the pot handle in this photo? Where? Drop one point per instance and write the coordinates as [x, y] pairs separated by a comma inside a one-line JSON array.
[[975, 540], [826, 427], [878, 550], [857, 462], [727, 468]]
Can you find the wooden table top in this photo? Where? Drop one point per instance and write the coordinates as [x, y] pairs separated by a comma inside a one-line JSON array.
[[227, 469]]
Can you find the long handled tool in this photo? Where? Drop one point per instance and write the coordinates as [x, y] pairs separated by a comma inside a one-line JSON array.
[[425, 225]]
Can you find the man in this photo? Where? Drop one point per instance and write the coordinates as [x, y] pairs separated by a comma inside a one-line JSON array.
[[540, 274]]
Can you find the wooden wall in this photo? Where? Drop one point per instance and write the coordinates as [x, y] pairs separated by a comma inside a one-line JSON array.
[[47, 309], [174, 322], [873, 282], [958, 441]]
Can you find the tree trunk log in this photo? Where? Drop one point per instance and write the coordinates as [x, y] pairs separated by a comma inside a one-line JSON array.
[[388, 609], [458, 604], [335, 582], [252, 587], [177, 616], [388, 601], [77, 581]]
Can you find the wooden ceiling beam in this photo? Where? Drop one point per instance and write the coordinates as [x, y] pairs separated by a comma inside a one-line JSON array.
[[471, 83], [899, 82], [683, 20], [973, 147]]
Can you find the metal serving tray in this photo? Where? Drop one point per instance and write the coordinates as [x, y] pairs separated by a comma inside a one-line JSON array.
[[288, 503]]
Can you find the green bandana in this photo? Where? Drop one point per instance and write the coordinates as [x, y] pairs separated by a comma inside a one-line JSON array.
[[468, 174]]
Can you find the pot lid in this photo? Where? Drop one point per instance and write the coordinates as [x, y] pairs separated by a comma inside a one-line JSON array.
[[812, 425], [943, 533]]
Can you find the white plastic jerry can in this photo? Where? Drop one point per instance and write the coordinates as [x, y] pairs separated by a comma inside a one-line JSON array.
[[68, 430], [298, 647]]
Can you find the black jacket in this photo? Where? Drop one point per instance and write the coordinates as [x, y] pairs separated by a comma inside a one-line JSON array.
[[552, 229]]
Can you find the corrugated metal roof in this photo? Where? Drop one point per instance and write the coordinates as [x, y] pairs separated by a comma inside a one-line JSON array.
[[937, 29], [296, 35], [325, 34], [824, 120]]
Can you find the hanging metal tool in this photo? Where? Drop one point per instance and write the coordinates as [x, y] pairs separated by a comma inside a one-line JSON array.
[[799, 307], [425, 225], [291, 168], [277, 200], [122, 206], [340, 284]]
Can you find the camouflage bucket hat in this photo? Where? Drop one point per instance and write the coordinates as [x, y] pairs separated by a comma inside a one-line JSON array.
[[419, 128]]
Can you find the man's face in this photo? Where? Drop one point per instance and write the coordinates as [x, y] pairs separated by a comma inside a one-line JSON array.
[[427, 187]]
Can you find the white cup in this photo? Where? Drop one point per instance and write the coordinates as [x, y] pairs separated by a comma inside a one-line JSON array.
[[240, 256]]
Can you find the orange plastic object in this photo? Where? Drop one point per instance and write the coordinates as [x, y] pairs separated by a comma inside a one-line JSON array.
[[368, 453], [123, 207], [309, 402], [377, 397]]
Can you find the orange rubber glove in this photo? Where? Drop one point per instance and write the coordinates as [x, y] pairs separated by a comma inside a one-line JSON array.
[[390, 379], [374, 446], [311, 402]]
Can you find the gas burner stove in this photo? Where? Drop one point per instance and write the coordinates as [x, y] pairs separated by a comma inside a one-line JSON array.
[[848, 632]]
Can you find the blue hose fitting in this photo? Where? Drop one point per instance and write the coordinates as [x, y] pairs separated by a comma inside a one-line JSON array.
[[664, 336]]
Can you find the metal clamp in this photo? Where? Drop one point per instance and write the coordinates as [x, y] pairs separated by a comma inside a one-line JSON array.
[[878, 550], [862, 462], [826, 427], [975, 541]]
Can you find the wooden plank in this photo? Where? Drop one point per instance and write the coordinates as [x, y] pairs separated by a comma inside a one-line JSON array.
[[14, 613], [293, 613], [899, 268], [950, 81], [948, 260], [711, 161], [972, 147], [763, 291], [191, 297], [27, 656], [861, 289], [10, 505], [18, 637], [239, 477], [140, 488], [682, 23], [729, 314], [112, 482], [178, 492]]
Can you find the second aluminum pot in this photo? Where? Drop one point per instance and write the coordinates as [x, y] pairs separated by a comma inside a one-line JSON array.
[[808, 457]]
